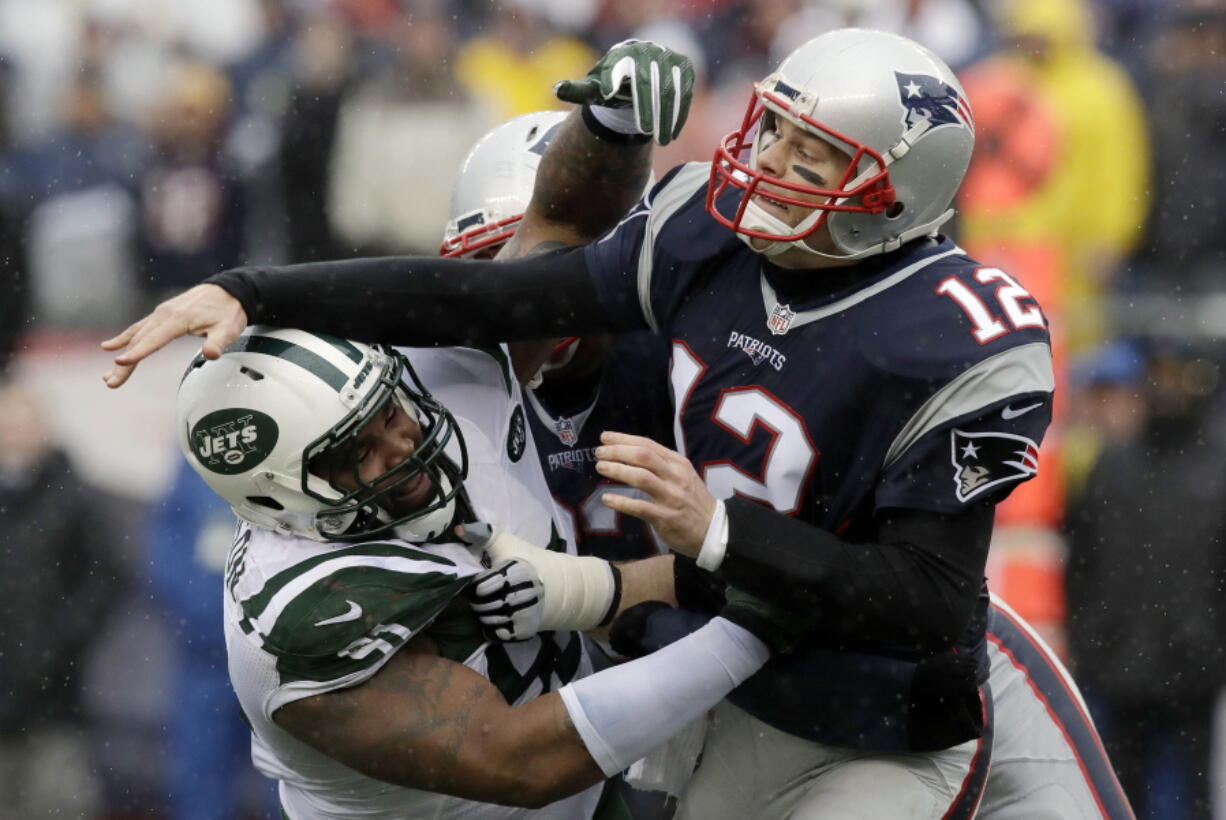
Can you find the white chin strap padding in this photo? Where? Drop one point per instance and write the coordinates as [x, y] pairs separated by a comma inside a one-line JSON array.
[[756, 218]]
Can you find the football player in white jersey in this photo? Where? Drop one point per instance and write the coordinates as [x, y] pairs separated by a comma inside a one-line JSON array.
[[364, 675]]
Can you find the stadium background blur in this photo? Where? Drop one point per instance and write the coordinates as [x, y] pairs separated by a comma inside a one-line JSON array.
[[145, 144]]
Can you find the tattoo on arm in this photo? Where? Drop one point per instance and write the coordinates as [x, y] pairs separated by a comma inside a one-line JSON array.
[[429, 723], [586, 183], [514, 249]]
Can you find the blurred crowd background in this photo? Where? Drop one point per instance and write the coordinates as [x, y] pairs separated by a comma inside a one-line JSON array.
[[145, 144]]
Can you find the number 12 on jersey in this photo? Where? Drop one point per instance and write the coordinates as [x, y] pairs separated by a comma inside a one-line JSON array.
[[1009, 295]]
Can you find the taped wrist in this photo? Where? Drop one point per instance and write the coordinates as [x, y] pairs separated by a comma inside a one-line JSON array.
[[578, 592], [616, 125]]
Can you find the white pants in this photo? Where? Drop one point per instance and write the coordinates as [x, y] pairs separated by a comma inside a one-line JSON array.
[[1046, 759], [1048, 762], [752, 770]]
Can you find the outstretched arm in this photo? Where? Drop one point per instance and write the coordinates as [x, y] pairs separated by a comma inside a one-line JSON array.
[[589, 176], [429, 723]]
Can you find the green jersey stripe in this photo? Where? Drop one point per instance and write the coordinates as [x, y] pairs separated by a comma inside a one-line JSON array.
[[310, 642], [306, 359], [254, 604], [267, 617]]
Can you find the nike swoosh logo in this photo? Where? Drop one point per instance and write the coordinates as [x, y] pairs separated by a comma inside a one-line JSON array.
[[1009, 413], [353, 614]]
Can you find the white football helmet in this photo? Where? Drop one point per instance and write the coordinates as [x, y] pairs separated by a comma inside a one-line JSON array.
[[892, 106], [494, 184], [251, 421]]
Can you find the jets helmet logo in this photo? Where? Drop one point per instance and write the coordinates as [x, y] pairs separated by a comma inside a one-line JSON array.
[[233, 440], [985, 460], [928, 98]]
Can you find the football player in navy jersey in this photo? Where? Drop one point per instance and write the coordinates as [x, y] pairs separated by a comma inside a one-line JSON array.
[[574, 387], [852, 393]]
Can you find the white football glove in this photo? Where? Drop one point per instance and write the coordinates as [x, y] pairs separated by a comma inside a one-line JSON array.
[[507, 601]]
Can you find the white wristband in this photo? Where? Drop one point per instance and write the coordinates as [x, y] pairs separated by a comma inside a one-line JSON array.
[[621, 120], [715, 542]]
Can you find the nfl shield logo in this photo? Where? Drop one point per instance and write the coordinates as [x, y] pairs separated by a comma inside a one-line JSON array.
[[780, 319], [565, 429]]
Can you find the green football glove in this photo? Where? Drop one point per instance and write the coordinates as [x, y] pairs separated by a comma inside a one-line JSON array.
[[637, 87], [778, 628]]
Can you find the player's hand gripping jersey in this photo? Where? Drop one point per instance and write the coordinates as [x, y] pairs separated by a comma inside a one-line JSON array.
[[305, 617]]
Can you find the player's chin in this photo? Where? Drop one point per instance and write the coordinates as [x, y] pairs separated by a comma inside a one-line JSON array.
[[411, 496], [788, 214]]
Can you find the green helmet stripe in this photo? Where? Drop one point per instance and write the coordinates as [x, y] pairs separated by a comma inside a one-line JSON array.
[[343, 345], [306, 359]]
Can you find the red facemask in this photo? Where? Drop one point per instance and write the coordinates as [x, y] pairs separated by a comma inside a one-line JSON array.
[[872, 194]]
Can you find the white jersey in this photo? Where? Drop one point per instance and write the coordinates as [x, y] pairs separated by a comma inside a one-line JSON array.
[[304, 617]]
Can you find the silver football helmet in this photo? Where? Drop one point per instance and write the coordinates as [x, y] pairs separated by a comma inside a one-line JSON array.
[[252, 422], [892, 106], [494, 184]]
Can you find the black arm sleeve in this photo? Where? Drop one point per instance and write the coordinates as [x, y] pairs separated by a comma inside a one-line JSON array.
[[420, 300], [915, 587]]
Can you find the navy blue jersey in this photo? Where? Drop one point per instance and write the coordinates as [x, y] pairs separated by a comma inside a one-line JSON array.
[[926, 384], [629, 398]]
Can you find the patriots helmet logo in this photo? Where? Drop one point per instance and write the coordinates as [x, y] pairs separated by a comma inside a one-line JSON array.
[[985, 460], [925, 97]]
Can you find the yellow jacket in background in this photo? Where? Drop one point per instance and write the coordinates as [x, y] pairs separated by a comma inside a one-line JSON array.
[[511, 83], [1093, 196]]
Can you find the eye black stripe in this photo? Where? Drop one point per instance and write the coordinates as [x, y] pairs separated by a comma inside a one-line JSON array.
[[306, 359]]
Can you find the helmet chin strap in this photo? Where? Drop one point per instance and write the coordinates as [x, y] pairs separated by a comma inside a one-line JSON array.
[[756, 218]]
